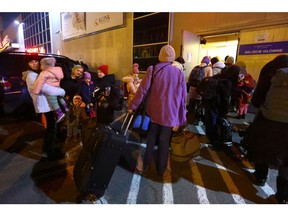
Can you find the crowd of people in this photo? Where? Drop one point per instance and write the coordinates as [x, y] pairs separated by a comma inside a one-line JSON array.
[[68, 100], [213, 88], [266, 137]]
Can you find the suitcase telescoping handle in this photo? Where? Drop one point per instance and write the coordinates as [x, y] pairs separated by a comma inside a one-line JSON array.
[[127, 122]]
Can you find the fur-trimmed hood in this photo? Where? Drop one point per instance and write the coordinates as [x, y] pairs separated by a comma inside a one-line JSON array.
[[127, 79]]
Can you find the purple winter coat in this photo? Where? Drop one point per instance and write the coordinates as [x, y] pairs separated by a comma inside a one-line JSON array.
[[167, 101]]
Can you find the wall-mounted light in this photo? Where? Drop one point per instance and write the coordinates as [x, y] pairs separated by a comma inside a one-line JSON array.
[[18, 23]]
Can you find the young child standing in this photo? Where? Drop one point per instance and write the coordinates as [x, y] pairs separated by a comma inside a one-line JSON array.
[[87, 89], [52, 76], [75, 117], [245, 88]]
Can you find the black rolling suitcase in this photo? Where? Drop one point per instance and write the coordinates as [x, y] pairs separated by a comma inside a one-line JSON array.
[[98, 160]]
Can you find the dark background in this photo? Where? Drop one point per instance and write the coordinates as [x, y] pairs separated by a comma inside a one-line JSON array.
[[8, 18]]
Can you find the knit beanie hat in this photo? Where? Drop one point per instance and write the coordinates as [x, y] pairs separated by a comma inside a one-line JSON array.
[[167, 54], [206, 60], [135, 69], [214, 60], [229, 60], [103, 69], [87, 75], [242, 66]]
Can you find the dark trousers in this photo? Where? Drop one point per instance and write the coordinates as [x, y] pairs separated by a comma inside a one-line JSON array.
[[50, 146], [210, 121], [162, 135], [261, 170], [194, 111], [282, 184]]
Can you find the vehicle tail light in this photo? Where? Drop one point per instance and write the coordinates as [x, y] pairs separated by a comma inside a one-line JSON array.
[[5, 84]]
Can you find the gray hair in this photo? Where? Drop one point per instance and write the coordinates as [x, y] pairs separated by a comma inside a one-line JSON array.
[[48, 62]]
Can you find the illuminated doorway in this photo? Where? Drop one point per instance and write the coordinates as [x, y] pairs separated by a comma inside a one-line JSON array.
[[220, 46]]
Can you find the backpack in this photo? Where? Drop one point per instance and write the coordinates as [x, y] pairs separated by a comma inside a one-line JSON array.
[[116, 97], [196, 76], [208, 88], [218, 90], [275, 104]]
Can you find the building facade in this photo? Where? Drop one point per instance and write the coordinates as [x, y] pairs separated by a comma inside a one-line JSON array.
[[116, 46]]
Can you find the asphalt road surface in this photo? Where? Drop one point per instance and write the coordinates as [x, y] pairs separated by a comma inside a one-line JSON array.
[[213, 177]]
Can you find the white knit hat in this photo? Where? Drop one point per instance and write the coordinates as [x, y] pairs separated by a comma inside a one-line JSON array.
[[167, 54]]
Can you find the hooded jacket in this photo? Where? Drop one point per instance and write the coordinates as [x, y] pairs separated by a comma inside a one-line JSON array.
[[39, 100], [217, 67], [132, 86], [50, 76]]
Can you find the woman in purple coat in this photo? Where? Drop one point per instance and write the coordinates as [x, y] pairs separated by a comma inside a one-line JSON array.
[[166, 105]]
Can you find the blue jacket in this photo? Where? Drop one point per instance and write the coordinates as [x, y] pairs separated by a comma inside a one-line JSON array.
[[87, 92], [167, 101]]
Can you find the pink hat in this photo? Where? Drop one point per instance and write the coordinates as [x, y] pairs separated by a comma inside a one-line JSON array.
[[135, 69], [167, 54]]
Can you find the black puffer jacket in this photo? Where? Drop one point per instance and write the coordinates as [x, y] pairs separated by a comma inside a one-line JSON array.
[[71, 86]]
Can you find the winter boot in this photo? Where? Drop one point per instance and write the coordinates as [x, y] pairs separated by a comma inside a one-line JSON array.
[[63, 104], [59, 115], [65, 108]]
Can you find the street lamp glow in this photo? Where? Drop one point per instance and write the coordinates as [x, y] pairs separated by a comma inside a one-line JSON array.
[[16, 22]]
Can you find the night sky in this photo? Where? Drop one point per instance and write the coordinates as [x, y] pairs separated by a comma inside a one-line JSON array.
[[8, 18]]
